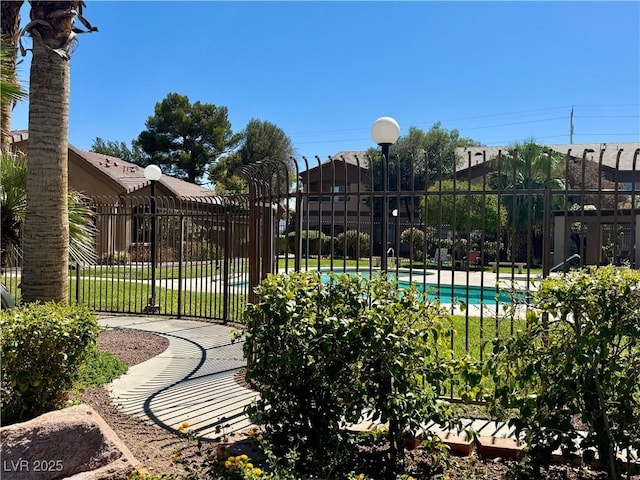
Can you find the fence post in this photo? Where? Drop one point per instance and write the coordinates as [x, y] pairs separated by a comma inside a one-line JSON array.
[[180, 260], [77, 282], [546, 228], [225, 291]]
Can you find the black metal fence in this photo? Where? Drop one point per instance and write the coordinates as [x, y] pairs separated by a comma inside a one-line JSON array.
[[468, 231]]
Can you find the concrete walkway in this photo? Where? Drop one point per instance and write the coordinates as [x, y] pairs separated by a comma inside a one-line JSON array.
[[192, 381]]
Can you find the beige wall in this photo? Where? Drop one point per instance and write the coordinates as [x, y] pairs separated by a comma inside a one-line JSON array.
[[83, 178]]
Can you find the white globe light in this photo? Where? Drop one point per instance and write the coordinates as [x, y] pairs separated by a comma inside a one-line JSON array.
[[152, 172], [385, 131]]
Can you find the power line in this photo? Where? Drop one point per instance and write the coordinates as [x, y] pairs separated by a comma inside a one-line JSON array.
[[473, 117], [480, 117], [625, 134], [516, 123], [607, 116]]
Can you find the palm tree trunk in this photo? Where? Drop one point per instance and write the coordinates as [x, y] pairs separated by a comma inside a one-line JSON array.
[[10, 27], [46, 230]]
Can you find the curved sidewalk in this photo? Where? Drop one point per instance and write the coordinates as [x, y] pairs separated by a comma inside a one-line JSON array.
[[192, 381]]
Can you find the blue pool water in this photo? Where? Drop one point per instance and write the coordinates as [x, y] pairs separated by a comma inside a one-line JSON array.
[[447, 293]]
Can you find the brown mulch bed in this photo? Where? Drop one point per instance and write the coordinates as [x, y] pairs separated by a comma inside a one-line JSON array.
[[152, 446], [155, 447]]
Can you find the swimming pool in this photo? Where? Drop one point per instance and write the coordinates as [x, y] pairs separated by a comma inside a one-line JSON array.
[[446, 293]]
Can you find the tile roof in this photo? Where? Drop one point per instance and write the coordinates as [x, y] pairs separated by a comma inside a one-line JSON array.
[[353, 157], [348, 157], [129, 175], [609, 156]]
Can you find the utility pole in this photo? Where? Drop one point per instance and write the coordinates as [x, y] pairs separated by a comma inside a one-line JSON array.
[[571, 128]]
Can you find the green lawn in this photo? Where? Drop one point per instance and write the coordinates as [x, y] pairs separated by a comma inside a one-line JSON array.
[[132, 297], [312, 263], [474, 335], [136, 272]]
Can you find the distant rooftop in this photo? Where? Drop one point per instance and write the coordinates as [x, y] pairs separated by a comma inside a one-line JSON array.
[[129, 175], [609, 151]]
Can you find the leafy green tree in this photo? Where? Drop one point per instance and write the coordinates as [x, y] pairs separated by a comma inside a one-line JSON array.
[[185, 138], [463, 206], [264, 142], [420, 158], [133, 154], [526, 166]]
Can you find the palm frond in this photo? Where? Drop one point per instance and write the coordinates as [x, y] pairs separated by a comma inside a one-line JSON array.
[[10, 89], [13, 203], [82, 230]]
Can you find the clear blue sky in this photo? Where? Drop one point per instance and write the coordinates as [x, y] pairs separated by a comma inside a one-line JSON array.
[[499, 72]]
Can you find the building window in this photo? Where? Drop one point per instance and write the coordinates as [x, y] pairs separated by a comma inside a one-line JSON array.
[[339, 189]]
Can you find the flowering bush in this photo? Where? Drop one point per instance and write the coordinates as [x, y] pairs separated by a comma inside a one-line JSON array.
[[241, 467]]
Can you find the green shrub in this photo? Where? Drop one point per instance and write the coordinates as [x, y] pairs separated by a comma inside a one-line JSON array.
[[353, 244], [283, 244], [313, 242], [115, 258], [578, 357], [415, 239], [42, 345], [97, 369], [321, 354]]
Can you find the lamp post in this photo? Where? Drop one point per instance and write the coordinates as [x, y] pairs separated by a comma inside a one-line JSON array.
[[153, 174], [385, 131], [396, 234]]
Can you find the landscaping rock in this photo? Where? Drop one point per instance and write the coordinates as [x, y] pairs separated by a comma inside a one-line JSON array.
[[72, 443]]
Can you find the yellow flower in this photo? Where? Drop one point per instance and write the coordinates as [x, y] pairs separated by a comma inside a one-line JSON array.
[[227, 464], [360, 477], [243, 457], [249, 466], [257, 472], [231, 459], [183, 425], [259, 438]]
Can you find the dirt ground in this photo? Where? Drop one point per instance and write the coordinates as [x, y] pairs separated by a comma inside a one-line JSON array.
[[155, 448]]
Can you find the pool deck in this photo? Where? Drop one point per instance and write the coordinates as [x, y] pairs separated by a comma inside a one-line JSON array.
[[444, 277]]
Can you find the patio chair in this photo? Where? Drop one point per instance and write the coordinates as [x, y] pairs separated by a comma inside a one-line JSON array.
[[473, 259], [440, 257]]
